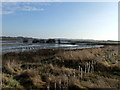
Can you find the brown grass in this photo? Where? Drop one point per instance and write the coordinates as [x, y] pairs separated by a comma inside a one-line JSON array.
[[86, 54], [83, 69]]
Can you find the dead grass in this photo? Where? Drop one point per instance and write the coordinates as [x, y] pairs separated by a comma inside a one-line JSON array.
[[80, 69], [86, 54], [30, 79], [11, 67]]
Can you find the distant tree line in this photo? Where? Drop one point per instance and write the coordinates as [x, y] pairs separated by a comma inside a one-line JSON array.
[[42, 41]]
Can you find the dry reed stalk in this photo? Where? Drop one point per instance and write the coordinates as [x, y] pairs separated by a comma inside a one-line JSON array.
[[81, 70]]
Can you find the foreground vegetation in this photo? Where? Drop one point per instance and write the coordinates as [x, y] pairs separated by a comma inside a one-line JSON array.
[[62, 69]]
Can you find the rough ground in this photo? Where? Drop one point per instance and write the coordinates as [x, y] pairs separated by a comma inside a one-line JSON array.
[[63, 69]]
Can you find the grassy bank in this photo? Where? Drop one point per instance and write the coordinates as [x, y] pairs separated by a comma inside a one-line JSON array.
[[57, 69]]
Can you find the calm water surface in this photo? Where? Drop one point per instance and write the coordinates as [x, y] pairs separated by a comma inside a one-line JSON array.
[[21, 47]]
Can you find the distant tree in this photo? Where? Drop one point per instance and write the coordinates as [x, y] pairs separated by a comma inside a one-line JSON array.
[[35, 41], [42, 41], [25, 40], [73, 43], [59, 41], [50, 41]]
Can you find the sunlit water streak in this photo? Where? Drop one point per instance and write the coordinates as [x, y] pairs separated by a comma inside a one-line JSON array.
[[20, 47]]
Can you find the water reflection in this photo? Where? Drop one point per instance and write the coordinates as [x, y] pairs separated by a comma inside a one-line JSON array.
[[20, 47]]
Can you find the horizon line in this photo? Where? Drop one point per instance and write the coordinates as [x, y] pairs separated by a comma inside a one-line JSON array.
[[60, 38]]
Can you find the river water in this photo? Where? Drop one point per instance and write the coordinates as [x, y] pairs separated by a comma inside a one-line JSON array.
[[21, 47]]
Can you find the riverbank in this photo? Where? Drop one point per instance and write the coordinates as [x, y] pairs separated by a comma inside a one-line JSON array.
[[59, 68]]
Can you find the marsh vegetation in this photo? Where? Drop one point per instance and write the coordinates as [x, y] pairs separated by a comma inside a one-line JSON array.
[[62, 69]]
